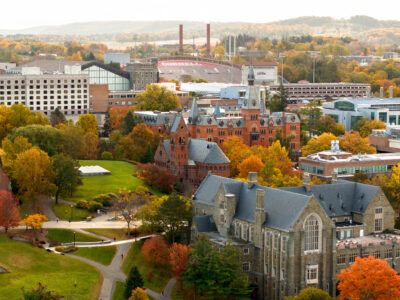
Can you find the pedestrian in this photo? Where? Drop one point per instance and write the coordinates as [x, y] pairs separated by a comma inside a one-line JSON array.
[[115, 238], [122, 256]]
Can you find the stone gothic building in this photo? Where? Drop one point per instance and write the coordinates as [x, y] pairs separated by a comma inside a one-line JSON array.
[[296, 237]]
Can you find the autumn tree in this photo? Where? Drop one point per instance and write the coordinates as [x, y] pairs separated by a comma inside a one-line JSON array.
[[236, 151], [88, 123], [155, 251], [310, 115], [391, 186], [178, 258], [157, 98], [133, 281], [369, 278], [9, 213], [251, 164], [11, 149], [318, 143], [71, 140], [89, 146], [365, 126], [130, 121], [328, 124], [117, 115], [34, 221], [66, 175], [139, 294], [353, 142], [158, 177], [32, 171], [41, 292]]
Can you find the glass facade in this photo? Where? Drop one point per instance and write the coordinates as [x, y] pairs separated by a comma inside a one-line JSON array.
[[383, 116], [115, 82], [312, 169], [344, 105], [392, 119], [363, 169]]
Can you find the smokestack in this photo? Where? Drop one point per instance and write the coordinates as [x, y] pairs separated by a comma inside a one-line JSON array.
[[181, 39], [208, 40]]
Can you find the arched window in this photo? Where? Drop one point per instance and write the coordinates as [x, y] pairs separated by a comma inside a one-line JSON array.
[[312, 229]]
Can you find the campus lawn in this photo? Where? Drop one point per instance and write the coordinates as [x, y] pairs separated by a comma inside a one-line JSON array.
[[103, 255], [111, 233], [121, 177], [63, 212], [67, 236], [154, 278], [119, 291], [28, 265]]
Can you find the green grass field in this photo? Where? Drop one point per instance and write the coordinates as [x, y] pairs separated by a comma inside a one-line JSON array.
[[63, 212], [67, 236], [121, 177], [28, 265], [111, 233], [154, 278], [103, 255], [119, 291]]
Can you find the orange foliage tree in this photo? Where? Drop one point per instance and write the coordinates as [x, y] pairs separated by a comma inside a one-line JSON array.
[[353, 142], [236, 151], [9, 214], [155, 251], [369, 278], [117, 115], [34, 221], [251, 164], [178, 257], [157, 177]]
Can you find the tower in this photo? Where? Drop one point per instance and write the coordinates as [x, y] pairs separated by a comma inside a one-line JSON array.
[[179, 147]]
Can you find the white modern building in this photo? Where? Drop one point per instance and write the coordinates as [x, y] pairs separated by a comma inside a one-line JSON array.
[[264, 73], [45, 92], [349, 111]]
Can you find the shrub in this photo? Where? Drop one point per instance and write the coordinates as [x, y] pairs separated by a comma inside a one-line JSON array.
[[65, 249], [104, 199], [106, 155], [82, 204], [93, 206]]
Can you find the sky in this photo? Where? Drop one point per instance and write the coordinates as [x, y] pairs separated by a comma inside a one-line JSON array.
[[18, 14]]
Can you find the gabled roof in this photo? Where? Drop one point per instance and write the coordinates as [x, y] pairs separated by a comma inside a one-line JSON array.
[[341, 198], [175, 123], [282, 207], [108, 68], [194, 112], [206, 152]]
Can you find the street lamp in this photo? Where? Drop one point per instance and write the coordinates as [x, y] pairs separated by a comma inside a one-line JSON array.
[[74, 238]]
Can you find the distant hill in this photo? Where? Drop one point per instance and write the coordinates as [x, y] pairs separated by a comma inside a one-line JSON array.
[[363, 27]]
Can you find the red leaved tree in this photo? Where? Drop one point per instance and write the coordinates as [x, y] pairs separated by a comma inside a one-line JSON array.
[[369, 278], [155, 176], [155, 251], [178, 257], [9, 213]]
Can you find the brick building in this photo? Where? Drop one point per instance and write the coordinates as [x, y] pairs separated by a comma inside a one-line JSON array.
[[324, 163], [254, 124], [296, 237], [189, 159]]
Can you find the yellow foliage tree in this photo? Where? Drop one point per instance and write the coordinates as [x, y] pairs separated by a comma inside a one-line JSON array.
[[365, 126], [12, 149], [88, 123], [317, 144], [157, 98], [353, 142], [251, 164], [139, 294], [32, 170], [236, 151], [89, 147], [77, 56], [34, 221]]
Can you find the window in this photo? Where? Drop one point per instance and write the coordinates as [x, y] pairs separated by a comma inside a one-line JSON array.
[[246, 251], [246, 267], [388, 253], [341, 259], [376, 254], [312, 274], [378, 219], [312, 233], [352, 257]]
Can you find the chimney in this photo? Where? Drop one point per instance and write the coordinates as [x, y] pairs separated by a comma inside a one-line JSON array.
[[252, 179], [208, 40], [334, 176], [391, 92], [260, 217], [307, 182], [181, 39], [230, 210], [381, 92]]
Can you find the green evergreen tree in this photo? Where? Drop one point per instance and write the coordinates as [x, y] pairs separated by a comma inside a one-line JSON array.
[[107, 125], [283, 97], [133, 281], [57, 117], [129, 122]]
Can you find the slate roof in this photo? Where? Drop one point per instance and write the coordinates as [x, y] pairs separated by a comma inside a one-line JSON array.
[[156, 118], [282, 207], [175, 123], [206, 152], [204, 223], [341, 198]]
